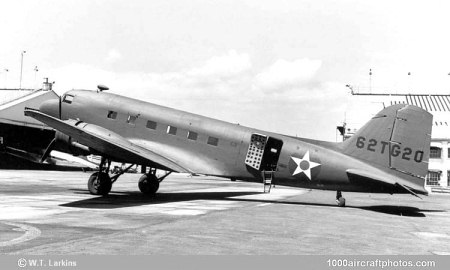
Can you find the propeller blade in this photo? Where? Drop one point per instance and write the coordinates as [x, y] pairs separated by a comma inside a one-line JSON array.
[[60, 100], [48, 150]]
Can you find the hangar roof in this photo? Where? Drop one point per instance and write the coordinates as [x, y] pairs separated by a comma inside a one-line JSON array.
[[7, 95], [437, 105], [430, 103], [11, 111]]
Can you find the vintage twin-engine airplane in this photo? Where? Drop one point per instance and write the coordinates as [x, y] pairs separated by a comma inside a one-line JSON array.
[[388, 155]]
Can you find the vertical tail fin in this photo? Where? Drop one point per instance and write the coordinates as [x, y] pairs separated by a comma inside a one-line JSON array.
[[398, 138]]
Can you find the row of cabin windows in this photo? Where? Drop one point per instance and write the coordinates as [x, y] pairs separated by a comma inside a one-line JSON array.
[[191, 135], [170, 129]]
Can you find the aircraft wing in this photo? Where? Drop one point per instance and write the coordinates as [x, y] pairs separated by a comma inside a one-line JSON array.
[[106, 142], [386, 180]]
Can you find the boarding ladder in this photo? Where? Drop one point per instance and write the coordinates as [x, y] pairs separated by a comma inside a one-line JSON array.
[[267, 177]]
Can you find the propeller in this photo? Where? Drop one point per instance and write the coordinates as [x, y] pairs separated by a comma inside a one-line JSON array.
[[52, 144], [64, 143], [48, 150], [60, 101]]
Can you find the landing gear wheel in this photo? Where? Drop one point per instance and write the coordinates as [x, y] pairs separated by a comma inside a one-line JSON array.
[[99, 183], [149, 184]]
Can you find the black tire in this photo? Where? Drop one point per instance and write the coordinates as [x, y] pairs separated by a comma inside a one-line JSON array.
[[99, 184], [148, 184], [341, 202]]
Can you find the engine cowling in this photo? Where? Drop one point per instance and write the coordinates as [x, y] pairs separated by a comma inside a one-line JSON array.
[[65, 144]]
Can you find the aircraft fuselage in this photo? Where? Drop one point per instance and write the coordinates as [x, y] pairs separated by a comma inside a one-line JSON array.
[[213, 147]]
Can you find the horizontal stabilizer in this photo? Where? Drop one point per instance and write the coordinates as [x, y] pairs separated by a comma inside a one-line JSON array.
[[369, 175], [384, 182], [409, 190]]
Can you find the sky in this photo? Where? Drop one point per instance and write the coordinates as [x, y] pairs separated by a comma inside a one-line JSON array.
[[281, 65]]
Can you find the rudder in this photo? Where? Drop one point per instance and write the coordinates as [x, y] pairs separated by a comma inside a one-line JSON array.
[[398, 137]]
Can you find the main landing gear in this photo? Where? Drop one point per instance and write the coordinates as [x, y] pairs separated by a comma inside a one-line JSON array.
[[149, 182], [100, 183], [339, 199]]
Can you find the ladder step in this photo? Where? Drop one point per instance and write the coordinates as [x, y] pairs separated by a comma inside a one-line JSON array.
[[267, 180]]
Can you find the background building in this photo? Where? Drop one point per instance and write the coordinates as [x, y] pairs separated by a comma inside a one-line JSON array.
[[23, 140], [362, 106]]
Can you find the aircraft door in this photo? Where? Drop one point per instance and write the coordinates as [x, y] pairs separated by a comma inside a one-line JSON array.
[[271, 154], [255, 151], [263, 152]]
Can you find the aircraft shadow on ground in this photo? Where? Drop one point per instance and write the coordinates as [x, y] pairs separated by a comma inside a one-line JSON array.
[[385, 209], [395, 210], [129, 199]]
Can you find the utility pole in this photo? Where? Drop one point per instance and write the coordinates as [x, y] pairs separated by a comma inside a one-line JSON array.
[[6, 77], [35, 72], [21, 69], [409, 82]]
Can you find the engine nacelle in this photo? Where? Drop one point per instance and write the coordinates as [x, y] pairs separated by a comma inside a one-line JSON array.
[[65, 144]]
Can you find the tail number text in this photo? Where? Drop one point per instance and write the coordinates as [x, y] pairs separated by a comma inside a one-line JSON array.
[[381, 146]]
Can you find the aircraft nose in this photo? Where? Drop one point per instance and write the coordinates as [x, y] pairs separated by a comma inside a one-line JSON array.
[[50, 107]]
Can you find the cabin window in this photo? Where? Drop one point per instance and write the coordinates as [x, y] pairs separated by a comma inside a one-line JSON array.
[[213, 141], [68, 99], [192, 135], [435, 152], [171, 130], [151, 124], [112, 115], [131, 119]]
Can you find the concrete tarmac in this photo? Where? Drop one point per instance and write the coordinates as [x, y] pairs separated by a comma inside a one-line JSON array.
[[53, 213]]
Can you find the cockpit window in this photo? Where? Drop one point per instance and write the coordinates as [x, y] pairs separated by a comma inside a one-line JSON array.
[[68, 99]]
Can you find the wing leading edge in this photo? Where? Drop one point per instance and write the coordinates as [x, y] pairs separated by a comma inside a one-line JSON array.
[[106, 142]]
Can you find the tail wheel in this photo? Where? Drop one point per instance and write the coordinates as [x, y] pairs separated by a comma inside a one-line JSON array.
[[339, 199], [99, 183], [149, 184], [341, 202]]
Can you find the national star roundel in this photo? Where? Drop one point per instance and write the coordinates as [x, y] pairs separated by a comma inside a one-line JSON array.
[[301, 167]]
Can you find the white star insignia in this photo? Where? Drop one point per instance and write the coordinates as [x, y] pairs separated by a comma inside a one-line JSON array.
[[304, 165]]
